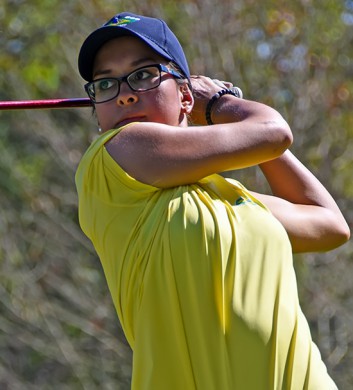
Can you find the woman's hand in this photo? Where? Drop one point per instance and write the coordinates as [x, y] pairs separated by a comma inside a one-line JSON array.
[[203, 88]]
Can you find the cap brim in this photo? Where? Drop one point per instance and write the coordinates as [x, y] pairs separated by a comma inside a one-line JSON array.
[[98, 38]]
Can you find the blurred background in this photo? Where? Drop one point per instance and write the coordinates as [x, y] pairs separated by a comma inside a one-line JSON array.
[[58, 327]]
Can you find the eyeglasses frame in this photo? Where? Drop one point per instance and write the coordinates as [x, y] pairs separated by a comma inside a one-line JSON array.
[[120, 80]]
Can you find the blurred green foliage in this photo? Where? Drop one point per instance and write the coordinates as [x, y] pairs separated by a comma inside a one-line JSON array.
[[58, 328]]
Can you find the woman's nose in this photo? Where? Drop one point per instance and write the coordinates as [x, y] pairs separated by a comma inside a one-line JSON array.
[[126, 95]]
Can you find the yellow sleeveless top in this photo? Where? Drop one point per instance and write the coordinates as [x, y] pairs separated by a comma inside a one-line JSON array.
[[202, 280]]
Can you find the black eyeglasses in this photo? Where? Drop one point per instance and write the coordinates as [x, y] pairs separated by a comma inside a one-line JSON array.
[[141, 79]]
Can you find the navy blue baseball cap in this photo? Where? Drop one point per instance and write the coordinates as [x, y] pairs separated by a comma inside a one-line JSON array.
[[154, 32]]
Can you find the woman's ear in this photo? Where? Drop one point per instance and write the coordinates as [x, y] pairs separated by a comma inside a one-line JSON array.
[[187, 99]]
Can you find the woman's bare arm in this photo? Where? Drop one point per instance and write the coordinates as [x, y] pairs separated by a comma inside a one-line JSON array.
[[245, 133], [302, 204]]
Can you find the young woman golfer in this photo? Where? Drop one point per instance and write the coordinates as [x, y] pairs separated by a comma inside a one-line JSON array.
[[200, 269]]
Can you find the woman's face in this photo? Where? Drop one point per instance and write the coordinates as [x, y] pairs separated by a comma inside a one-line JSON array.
[[117, 58]]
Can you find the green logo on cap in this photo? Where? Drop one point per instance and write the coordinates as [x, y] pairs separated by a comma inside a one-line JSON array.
[[122, 21]]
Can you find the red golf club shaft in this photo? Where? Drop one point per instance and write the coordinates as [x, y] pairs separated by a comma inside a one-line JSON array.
[[49, 103]]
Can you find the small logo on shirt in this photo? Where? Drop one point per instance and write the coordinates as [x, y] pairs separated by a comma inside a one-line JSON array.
[[240, 201]]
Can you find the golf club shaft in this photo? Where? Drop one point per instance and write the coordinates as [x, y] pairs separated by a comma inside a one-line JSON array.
[[49, 103]]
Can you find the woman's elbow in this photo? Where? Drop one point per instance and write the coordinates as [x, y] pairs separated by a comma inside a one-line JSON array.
[[326, 233], [287, 134], [283, 137], [339, 234], [343, 233]]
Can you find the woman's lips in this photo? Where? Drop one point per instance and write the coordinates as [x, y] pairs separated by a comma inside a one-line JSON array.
[[129, 120]]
